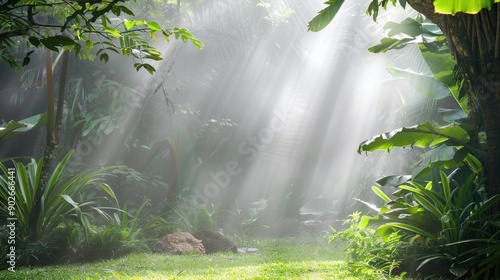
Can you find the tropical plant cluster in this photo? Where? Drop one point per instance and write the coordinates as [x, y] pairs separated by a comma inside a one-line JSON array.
[[441, 221], [76, 209], [82, 219]]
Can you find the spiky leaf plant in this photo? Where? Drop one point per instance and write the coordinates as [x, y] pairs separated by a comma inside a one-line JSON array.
[[78, 197]]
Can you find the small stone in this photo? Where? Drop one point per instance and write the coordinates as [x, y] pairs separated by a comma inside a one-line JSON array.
[[248, 250]]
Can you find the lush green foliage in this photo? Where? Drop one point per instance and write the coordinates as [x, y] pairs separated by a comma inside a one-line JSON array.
[[326, 15], [77, 197], [82, 28], [121, 233], [13, 129], [448, 223], [441, 212], [66, 195], [365, 248], [189, 215]]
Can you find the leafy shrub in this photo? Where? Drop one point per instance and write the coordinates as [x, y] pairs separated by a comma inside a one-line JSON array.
[[246, 222], [189, 215], [449, 224], [140, 228], [365, 248], [77, 197]]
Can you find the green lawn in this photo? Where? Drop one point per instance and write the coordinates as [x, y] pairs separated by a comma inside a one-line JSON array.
[[291, 258]]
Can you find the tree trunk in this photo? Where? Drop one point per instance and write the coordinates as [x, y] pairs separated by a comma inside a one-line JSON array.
[[54, 125], [474, 40]]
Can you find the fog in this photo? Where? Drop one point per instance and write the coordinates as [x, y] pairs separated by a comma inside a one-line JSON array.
[[267, 111], [302, 103]]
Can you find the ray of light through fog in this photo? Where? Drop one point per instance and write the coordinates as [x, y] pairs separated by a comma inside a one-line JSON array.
[[303, 102]]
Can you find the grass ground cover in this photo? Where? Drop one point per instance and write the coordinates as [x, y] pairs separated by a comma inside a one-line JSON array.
[[290, 258]]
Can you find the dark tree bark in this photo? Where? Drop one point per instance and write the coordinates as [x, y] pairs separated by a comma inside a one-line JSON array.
[[474, 40], [54, 126]]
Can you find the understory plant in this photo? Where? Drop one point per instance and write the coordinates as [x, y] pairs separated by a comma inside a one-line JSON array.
[[448, 223], [189, 215], [122, 232], [364, 248], [83, 198], [446, 209]]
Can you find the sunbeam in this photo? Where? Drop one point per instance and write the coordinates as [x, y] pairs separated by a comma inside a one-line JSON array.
[[302, 101]]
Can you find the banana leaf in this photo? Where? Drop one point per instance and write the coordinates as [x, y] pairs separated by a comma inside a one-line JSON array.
[[15, 128], [422, 135]]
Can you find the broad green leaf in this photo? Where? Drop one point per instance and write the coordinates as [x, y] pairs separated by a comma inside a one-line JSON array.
[[49, 45], [15, 128], [146, 66], [389, 44], [458, 271], [149, 68], [61, 40], [431, 29], [128, 24], [365, 221], [422, 135], [441, 63], [464, 6], [408, 26], [409, 228], [393, 181], [89, 45], [125, 10], [113, 32], [442, 156], [425, 85], [34, 41], [452, 115], [325, 16], [381, 194], [154, 26], [104, 57]]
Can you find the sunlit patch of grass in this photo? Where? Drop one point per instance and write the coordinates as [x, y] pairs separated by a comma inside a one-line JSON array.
[[292, 258]]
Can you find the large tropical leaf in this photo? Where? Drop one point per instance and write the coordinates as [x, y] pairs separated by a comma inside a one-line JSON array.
[[442, 156], [15, 128], [325, 16], [422, 135], [393, 180], [424, 84], [441, 63], [465, 6], [390, 44]]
